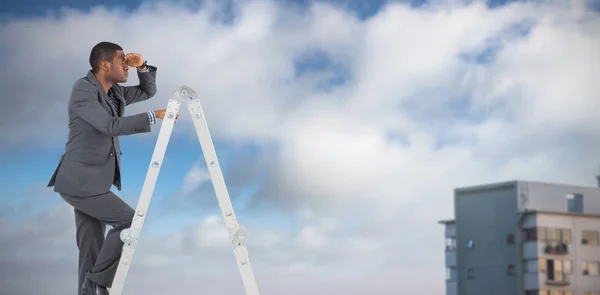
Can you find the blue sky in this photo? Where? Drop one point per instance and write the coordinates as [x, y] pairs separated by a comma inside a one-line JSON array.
[[334, 124], [36, 8]]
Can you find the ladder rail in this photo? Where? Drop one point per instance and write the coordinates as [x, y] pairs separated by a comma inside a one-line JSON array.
[[237, 232], [130, 236]]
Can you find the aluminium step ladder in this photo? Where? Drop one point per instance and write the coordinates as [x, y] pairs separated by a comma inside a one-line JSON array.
[[237, 232]]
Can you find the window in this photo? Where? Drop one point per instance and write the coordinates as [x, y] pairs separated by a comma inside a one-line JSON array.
[[556, 235], [590, 268], [510, 270], [589, 237], [547, 292], [558, 270], [470, 273], [575, 203], [551, 236], [450, 243], [530, 234], [470, 244], [510, 239], [451, 274]]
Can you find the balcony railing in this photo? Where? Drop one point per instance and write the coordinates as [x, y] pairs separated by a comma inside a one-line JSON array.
[[559, 279], [556, 249], [564, 282]]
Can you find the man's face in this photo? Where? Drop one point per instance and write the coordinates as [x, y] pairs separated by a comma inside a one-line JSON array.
[[119, 70]]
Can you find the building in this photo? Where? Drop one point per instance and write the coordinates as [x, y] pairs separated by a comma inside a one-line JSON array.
[[523, 238]]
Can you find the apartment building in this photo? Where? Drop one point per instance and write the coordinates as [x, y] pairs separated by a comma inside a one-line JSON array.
[[523, 238]]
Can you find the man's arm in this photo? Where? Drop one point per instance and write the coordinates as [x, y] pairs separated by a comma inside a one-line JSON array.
[[85, 104], [145, 90]]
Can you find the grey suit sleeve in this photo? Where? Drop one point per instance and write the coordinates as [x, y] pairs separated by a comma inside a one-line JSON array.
[[85, 105], [145, 90]]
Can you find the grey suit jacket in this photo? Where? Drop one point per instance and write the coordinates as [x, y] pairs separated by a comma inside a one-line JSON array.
[[92, 157]]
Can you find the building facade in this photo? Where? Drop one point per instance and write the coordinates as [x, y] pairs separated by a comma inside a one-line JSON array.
[[450, 257], [524, 238]]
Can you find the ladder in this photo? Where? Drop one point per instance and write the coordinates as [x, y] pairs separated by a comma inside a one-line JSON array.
[[237, 232]]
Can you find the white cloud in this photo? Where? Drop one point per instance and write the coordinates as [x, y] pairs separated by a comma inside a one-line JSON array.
[[359, 166], [195, 177]]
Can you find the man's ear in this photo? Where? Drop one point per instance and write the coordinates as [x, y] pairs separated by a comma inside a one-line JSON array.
[[104, 66]]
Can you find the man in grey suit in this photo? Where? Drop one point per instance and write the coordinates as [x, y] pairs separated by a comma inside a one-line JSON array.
[[92, 158]]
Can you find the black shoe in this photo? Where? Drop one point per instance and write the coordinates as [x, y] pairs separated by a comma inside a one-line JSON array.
[[102, 290], [88, 287]]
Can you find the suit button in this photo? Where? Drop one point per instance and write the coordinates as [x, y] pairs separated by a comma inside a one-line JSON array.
[[111, 154]]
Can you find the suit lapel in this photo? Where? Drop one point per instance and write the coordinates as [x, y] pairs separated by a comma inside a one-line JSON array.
[[107, 104]]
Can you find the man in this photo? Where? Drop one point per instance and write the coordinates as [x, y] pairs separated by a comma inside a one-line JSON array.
[[91, 161]]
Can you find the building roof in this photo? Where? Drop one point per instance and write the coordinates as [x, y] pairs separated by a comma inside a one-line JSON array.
[[480, 187], [533, 212], [513, 183]]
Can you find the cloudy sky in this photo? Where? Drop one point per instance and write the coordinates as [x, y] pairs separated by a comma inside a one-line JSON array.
[[342, 128]]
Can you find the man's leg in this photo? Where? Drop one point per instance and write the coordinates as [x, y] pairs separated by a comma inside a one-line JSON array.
[[90, 238], [110, 209]]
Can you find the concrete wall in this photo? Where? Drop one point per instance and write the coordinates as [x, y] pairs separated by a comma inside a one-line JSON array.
[[553, 197], [486, 217]]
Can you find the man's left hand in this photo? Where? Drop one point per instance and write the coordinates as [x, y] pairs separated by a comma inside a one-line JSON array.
[[134, 60]]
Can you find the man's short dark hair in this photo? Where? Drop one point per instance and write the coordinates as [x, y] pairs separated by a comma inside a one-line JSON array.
[[103, 51]]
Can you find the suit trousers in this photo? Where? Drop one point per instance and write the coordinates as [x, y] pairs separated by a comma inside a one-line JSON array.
[[99, 255]]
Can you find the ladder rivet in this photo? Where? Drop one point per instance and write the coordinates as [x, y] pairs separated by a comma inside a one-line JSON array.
[[155, 164], [140, 213]]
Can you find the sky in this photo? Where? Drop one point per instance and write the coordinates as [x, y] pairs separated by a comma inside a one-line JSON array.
[[341, 127]]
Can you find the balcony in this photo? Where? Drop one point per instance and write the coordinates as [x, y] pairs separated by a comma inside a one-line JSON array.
[[558, 278], [564, 282], [556, 249], [451, 258]]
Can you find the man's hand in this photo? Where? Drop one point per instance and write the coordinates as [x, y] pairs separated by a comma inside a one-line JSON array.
[[161, 115], [134, 60]]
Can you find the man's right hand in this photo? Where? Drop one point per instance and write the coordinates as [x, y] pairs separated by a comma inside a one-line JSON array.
[[161, 115]]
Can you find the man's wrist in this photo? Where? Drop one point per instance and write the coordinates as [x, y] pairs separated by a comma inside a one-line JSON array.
[[144, 67], [152, 117]]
